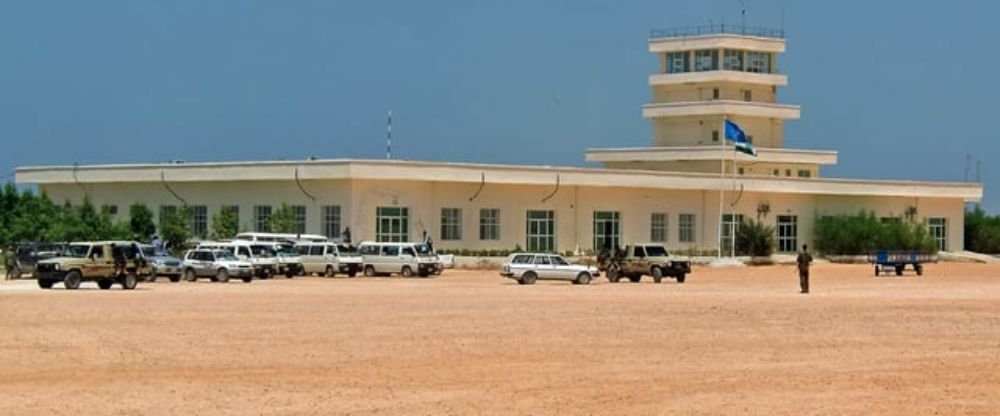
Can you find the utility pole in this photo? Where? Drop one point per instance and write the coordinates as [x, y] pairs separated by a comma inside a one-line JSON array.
[[388, 138]]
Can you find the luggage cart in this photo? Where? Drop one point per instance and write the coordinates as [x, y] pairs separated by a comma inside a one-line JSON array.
[[887, 261]]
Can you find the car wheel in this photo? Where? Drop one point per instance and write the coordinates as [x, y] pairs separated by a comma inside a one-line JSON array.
[[657, 274], [45, 284], [352, 273], [613, 275], [104, 284], [369, 271], [247, 279], [424, 274], [268, 273], [222, 276], [681, 277], [72, 280], [150, 279], [130, 281], [407, 271], [529, 278], [190, 276], [175, 279], [899, 271], [877, 271], [582, 279], [329, 272], [920, 270]]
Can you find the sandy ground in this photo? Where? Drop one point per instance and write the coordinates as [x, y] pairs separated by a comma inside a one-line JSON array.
[[736, 341]]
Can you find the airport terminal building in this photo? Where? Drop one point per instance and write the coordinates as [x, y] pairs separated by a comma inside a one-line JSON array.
[[668, 192]]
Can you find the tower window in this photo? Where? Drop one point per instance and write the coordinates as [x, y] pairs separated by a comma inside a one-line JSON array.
[[706, 60], [747, 95], [733, 60], [715, 93], [715, 135]]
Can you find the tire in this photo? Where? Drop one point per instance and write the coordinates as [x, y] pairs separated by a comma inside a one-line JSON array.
[[268, 273], [130, 281], [329, 272], [613, 275], [104, 284], [222, 276], [72, 280], [406, 272], [636, 278], [528, 278], [657, 274], [877, 271], [369, 271], [899, 270], [352, 273], [45, 284], [424, 275], [247, 279], [920, 269], [681, 277], [190, 276], [583, 278], [175, 279]]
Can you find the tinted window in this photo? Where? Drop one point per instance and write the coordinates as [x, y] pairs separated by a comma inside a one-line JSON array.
[[390, 251], [522, 259], [408, 251], [656, 251], [97, 251], [243, 251], [542, 260], [638, 252], [302, 250], [316, 250], [558, 261], [370, 250]]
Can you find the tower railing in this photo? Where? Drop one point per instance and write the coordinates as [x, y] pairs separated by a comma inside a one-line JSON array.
[[679, 32]]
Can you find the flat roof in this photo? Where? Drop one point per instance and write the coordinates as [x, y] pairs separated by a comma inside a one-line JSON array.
[[400, 170], [667, 154]]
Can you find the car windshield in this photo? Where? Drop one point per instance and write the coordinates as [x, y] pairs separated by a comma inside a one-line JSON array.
[[656, 251], [77, 251], [223, 255], [287, 251], [559, 261], [263, 251], [423, 249], [344, 249]]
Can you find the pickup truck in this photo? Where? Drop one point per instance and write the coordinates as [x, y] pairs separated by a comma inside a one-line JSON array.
[[639, 260]]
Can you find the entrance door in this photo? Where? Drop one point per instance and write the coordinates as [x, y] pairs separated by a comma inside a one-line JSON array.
[[788, 233]]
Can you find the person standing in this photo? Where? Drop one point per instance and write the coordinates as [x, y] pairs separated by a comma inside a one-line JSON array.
[[804, 260]]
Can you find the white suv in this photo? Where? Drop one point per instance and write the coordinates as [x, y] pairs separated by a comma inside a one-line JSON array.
[[327, 259], [218, 265], [526, 268]]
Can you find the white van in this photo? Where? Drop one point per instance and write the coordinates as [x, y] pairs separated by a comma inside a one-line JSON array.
[[328, 259], [407, 259], [279, 237], [262, 256]]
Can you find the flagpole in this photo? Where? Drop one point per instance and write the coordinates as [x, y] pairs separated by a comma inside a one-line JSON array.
[[732, 211], [722, 179]]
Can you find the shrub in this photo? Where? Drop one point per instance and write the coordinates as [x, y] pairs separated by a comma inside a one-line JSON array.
[[753, 238], [982, 232], [864, 233]]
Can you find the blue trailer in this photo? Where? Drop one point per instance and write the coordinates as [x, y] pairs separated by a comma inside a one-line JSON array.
[[886, 261]]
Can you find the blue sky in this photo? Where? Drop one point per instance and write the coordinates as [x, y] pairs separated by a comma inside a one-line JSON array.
[[901, 92]]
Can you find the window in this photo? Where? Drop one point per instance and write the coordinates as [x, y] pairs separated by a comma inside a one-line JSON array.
[[706, 60], [788, 233], [685, 228], [777, 172], [331, 221], [638, 252], [804, 173], [733, 60], [316, 250], [392, 224], [262, 218], [938, 228], [451, 224], [199, 221], [111, 209], [715, 93], [759, 62], [788, 173], [408, 251], [606, 230], [541, 229], [658, 227], [523, 259], [747, 95], [391, 251], [542, 260], [678, 62], [715, 135], [299, 219], [730, 225], [740, 171], [167, 211], [489, 224]]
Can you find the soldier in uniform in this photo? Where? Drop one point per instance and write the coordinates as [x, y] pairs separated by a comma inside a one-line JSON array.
[[803, 261]]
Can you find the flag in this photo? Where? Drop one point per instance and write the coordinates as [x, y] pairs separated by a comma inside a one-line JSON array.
[[735, 134]]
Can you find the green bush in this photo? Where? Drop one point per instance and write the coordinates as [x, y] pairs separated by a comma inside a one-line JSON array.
[[982, 232], [753, 238], [864, 233]]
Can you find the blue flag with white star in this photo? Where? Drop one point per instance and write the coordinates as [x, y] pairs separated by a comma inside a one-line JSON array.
[[736, 135]]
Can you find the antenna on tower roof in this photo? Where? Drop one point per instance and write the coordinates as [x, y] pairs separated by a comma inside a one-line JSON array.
[[743, 14]]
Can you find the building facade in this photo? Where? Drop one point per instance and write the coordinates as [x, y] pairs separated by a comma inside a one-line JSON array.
[[669, 192]]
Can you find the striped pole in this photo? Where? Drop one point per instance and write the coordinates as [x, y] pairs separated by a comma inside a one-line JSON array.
[[388, 138]]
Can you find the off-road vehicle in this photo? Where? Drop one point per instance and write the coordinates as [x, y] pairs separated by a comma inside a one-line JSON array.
[[638, 260], [105, 262], [218, 265]]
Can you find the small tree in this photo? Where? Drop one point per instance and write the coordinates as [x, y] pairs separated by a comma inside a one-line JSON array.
[[753, 238], [175, 231], [283, 220], [225, 224], [141, 221]]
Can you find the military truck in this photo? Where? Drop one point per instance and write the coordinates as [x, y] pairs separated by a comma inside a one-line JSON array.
[[638, 260], [105, 262]]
